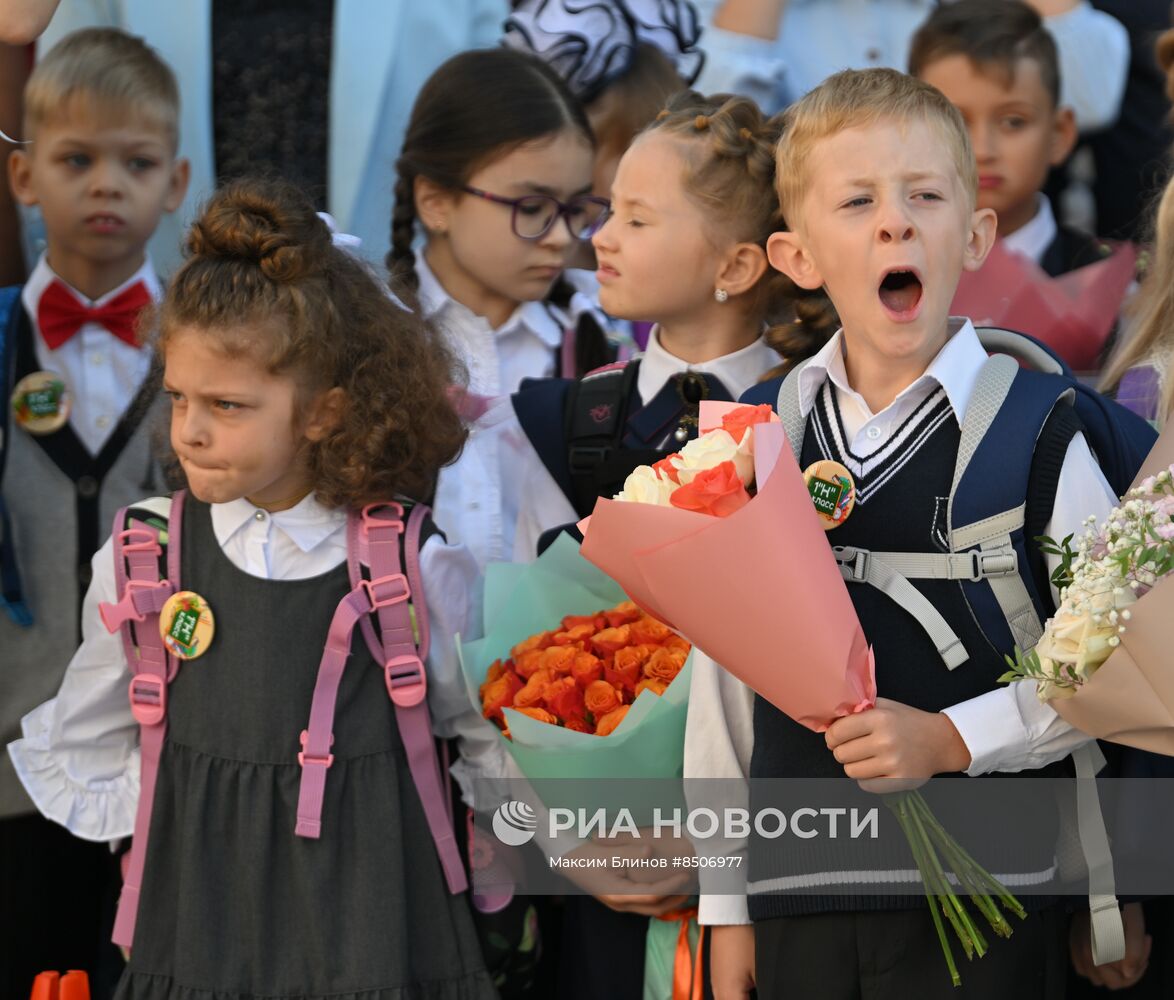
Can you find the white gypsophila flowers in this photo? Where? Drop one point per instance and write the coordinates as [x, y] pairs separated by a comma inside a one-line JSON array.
[[1113, 566]]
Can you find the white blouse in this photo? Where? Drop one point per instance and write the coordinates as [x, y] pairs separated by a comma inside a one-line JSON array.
[[79, 757]]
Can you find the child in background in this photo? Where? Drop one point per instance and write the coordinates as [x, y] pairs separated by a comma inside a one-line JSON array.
[[300, 394], [684, 245], [996, 63], [496, 172], [102, 112], [693, 205], [877, 182], [623, 60]]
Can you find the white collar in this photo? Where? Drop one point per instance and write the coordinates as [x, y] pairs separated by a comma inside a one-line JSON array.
[[532, 316], [955, 368], [737, 371], [1033, 239], [307, 524], [43, 275]]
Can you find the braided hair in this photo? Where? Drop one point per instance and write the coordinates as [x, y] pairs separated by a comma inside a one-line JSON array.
[[732, 178], [476, 108]]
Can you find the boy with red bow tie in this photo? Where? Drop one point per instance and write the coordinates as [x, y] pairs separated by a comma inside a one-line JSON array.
[[102, 112]]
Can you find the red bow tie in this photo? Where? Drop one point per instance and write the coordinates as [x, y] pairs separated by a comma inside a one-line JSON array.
[[60, 315]]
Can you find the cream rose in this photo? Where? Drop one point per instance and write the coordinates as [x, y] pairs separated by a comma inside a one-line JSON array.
[[708, 452], [646, 485], [1082, 634]]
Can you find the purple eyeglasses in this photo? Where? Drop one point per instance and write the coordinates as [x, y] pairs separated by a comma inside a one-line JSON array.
[[534, 215]]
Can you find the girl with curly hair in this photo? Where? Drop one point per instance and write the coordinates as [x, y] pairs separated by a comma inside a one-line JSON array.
[[301, 396]]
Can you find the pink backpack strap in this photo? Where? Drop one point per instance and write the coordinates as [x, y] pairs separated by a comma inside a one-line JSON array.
[[136, 614], [375, 533]]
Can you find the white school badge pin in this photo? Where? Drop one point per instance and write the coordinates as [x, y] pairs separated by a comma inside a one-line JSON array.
[[186, 625], [40, 402], [833, 493]]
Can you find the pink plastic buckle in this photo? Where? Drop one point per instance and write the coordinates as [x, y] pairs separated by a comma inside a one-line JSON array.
[[368, 521], [149, 543], [115, 615], [142, 688], [407, 687], [304, 758], [373, 586]]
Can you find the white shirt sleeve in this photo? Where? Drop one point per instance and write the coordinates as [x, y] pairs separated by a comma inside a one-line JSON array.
[[78, 758], [453, 591], [1093, 49], [1010, 729], [719, 739]]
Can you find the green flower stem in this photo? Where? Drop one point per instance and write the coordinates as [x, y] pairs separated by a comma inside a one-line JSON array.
[[974, 880], [980, 945], [898, 808], [997, 888], [932, 874]]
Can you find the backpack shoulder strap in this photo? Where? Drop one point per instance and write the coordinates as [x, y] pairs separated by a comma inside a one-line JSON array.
[[787, 407], [538, 404], [987, 508], [389, 543], [594, 421], [1043, 484], [11, 588], [146, 538]]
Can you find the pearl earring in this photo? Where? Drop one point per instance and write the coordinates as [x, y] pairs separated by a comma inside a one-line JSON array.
[[720, 295]]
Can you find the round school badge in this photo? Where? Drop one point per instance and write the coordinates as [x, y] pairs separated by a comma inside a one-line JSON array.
[[186, 625], [833, 493], [40, 402]]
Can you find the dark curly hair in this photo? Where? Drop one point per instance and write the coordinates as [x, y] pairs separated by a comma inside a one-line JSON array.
[[730, 174], [264, 279]]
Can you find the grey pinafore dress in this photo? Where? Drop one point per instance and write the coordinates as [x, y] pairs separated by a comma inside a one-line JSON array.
[[233, 904]]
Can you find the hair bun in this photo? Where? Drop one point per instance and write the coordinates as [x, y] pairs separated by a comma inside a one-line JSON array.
[[267, 223]]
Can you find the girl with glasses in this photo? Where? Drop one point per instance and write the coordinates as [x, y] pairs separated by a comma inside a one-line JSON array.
[[495, 175], [492, 196]]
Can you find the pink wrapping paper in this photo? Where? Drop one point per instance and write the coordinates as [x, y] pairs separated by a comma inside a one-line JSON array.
[[1073, 314], [758, 591]]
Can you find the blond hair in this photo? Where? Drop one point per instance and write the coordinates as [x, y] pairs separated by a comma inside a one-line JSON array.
[[110, 67], [855, 98], [1152, 313]]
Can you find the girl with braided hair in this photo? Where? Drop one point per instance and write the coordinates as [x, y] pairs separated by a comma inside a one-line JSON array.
[[495, 177], [693, 204]]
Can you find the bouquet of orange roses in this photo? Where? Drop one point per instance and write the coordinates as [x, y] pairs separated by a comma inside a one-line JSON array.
[[578, 692], [585, 674]]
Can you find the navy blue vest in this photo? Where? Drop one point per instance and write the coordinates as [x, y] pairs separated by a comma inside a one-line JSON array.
[[902, 507]]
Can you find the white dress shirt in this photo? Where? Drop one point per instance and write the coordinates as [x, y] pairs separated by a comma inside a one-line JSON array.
[[530, 501], [79, 756], [1033, 239], [498, 358], [103, 373], [470, 506], [1007, 729], [819, 37]]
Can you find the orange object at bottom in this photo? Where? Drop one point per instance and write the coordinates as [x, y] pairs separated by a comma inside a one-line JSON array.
[[74, 985]]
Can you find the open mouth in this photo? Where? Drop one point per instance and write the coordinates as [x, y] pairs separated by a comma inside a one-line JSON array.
[[900, 293]]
